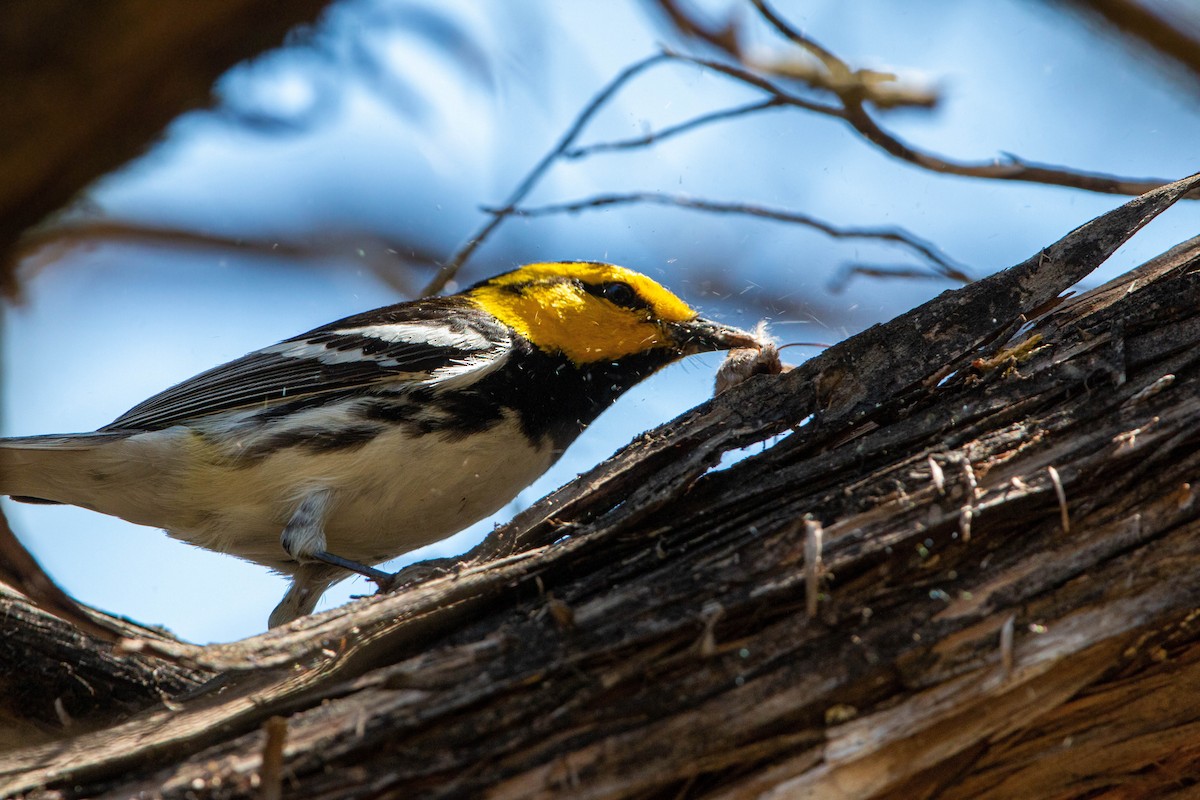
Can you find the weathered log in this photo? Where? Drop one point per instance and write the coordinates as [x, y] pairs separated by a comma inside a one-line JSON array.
[[966, 570]]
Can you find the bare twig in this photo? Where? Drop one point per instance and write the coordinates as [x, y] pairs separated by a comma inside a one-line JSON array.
[[451, 267], [853, 112], [849, 272], [675, 130], [835, 65], [1010, 169], [390, 262], [883, 91], [724, 37], [1151, 27], [896, 236], [852, 88], [759, 82]]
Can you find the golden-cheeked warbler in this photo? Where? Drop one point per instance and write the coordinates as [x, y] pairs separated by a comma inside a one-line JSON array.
[[363, 439]]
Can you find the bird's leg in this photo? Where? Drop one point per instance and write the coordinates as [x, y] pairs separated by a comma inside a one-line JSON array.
[[378, 576], [309, 582], [304, 537]]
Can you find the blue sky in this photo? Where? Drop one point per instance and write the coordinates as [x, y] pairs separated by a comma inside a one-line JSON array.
[[476, 93]]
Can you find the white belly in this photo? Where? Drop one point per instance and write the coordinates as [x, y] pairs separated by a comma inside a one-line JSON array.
[[388, 496]]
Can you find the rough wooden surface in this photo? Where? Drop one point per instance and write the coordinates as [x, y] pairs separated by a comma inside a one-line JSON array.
[[55, 679], [1002, 487]]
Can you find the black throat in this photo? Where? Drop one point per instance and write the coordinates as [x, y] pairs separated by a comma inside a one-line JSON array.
[[556, 398]]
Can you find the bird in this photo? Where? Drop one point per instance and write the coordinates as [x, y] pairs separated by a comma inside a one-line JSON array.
[[344, 447]]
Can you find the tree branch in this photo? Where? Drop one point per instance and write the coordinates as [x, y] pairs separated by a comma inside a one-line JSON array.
[[643, 631], [941, 264]]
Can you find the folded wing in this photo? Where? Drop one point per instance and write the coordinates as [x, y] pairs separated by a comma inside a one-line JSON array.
[[432, 342]]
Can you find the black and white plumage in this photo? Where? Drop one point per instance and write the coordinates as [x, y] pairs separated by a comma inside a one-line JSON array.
[[374, 435], [423, 344]]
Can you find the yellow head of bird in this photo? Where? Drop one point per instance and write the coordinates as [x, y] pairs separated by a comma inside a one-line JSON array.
[[592, 312]]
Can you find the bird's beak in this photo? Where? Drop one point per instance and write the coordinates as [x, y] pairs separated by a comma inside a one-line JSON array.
[[700, 335]]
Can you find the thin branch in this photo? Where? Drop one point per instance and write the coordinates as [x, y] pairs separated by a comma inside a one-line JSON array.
[[946, 266], [759, 82], [391, 262], [675, 130], [850, 88], [835, 65], [848, 272], [725, 37], [450, 268], [1151, 27], [883, 91], [1012, 170]]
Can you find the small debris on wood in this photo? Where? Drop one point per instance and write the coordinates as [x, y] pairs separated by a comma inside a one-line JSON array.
[[1065, 515], [1150, 391], [1184, 497], [813, 534], [839, 713], [937, 475], [1006, 646], [1128, 440], [60, 711], [968, 472], [271, 772], [1010, 357], [965, 514], [708, 640], [562, 613]]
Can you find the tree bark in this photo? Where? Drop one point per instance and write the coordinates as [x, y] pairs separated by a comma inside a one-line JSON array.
[[958, 560]]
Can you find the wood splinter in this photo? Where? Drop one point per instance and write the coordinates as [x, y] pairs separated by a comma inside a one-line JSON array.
[[1006, 646], [937, 476], [813, 534], [1064, 513], [271, 772]]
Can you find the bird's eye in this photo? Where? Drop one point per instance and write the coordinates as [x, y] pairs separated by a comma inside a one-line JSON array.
[[620, 294]]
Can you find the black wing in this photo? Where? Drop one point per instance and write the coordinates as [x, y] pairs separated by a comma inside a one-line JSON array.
[[425, 343]]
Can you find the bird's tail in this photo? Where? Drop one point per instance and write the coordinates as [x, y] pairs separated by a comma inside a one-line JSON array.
[[54, 469]]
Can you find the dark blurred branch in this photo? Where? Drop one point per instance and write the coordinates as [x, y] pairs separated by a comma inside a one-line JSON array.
[[86, 87], [855, 88], [21, 571], [391, 262], [880, 89], [1136, 21], [724, 37], [1012, 169], [942, 265]]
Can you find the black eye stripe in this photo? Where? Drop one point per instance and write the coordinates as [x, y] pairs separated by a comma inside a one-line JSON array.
[[618, 293]]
